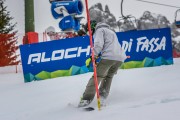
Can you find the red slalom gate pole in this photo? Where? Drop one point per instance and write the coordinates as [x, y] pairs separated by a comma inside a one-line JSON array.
[[93, 59]]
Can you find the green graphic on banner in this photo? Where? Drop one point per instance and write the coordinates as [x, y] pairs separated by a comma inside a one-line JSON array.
[[75, 70], [147, 62]]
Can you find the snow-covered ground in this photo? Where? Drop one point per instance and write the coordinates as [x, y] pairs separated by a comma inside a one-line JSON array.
[[136, 94]]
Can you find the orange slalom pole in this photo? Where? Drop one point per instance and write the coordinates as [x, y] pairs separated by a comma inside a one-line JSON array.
[[93, 59]]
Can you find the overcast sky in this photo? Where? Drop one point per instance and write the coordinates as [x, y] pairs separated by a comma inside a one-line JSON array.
[[44, 19]]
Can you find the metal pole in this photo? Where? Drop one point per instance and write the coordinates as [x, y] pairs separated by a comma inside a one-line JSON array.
[[29, 16]]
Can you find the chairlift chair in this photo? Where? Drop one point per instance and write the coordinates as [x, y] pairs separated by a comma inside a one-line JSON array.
[[128, 20], [177, 22]]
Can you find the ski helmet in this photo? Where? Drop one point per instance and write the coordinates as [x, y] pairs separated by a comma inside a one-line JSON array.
[[93, 26]]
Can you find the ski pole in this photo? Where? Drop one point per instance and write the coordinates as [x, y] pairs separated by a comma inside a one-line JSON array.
[[93, 59]]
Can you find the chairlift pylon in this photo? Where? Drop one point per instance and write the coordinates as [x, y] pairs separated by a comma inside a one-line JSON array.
[[177, 22]]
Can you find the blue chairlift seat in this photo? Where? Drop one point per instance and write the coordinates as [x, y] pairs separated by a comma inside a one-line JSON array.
[[177, 22]]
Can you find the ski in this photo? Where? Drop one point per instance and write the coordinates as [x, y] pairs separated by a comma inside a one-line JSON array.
[[88, 108]]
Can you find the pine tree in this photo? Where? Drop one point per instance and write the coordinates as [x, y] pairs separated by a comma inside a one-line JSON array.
[[8, 39]]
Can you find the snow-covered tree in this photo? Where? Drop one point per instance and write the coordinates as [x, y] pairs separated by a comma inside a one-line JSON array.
[[107, 9], [96, 13]]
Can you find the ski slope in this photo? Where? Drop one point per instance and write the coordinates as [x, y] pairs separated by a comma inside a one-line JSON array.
[[136, 94]]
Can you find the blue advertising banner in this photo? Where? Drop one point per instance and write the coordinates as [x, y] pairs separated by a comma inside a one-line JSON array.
[[67, 56], [55, 55], [146, 43]]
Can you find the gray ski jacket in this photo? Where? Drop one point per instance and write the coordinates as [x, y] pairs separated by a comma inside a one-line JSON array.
[[106, 43]]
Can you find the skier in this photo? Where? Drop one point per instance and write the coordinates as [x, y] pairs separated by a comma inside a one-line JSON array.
[[106, 46]]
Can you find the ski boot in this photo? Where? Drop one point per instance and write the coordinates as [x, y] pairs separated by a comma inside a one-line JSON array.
[[84, 103]]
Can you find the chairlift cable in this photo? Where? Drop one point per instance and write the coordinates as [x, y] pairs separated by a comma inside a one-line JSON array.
[[158, 4]]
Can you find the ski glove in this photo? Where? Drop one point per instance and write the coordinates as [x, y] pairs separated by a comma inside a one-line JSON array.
[[89, 60]]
